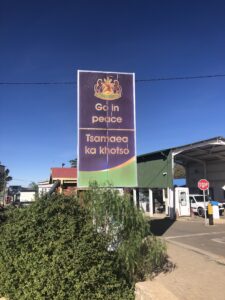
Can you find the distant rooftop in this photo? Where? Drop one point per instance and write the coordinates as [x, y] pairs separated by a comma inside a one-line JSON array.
[[63, 173]]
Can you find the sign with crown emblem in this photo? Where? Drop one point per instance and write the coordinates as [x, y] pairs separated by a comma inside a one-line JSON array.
[[106, 129], [108, 89]]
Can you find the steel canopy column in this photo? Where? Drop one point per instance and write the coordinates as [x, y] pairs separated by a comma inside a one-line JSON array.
[[171, 208], [135, 197], [150, 197], [165, 199]]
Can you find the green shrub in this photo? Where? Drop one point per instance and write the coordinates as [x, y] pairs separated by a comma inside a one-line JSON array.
[[50, 250], [139, 254], [61, 247], [153, 258]]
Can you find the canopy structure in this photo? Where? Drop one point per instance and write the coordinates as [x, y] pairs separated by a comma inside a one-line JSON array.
[[201, 152], [202, 159]]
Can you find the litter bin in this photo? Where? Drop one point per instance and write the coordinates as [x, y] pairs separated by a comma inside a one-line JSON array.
[[215, 209]]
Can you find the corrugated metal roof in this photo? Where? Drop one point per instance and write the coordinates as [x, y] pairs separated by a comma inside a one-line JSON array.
[[192, 145]]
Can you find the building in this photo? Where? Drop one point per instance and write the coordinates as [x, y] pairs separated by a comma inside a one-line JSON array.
[[158, 170], [26, 195], [44, 187], [67, 178]]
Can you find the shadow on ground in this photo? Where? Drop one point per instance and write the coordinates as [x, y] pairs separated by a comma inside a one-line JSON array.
[[159, 226]]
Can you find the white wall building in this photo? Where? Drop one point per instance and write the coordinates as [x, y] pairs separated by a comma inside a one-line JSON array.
[[27, 196], [44, 187]]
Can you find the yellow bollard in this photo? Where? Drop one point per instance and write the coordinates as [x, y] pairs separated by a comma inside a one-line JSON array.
[[210, 213]]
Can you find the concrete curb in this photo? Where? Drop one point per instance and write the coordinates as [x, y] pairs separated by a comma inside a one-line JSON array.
[[219, 221]]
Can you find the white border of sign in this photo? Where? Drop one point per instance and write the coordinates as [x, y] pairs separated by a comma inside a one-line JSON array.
[[78, 110]]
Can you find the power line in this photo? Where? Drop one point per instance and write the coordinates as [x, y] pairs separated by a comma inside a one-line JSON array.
[[40, 83], [19, 179], [181, 78], [137, 80]]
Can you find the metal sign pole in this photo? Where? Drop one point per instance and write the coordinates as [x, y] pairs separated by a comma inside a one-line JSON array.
[[203, 185], [204, 205]]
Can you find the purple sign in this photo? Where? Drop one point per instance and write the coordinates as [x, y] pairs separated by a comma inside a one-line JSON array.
[[106, 124]]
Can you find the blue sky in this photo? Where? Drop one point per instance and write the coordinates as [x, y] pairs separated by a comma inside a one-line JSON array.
[[47, 41]]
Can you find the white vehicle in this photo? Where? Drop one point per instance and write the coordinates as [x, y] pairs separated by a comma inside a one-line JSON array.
[[197, 204]]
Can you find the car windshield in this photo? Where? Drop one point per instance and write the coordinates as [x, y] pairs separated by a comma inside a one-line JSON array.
[[201, 198]]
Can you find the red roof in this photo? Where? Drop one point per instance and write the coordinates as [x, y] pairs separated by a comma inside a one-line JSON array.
[[64, 173]]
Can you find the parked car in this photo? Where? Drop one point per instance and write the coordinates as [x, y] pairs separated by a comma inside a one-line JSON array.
[[197, 204]]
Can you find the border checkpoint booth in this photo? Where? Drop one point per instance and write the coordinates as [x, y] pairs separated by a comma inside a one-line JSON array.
[[157, 171]]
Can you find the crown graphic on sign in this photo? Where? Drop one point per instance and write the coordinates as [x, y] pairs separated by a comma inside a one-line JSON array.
[[108, 89]]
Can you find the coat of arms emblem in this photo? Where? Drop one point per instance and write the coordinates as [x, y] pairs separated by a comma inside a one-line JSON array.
[[108, 89]]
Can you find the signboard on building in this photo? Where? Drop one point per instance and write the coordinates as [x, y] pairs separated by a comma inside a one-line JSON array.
[[106, 129]]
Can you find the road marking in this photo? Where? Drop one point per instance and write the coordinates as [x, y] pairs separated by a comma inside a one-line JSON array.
[[192, 235], [221, 241]]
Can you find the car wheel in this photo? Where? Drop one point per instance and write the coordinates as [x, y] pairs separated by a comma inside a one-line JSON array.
[[201, 212]]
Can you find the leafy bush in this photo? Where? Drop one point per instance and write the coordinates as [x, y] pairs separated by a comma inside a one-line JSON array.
[[92, 247], [152, 258], [139, 254], [50, 251]]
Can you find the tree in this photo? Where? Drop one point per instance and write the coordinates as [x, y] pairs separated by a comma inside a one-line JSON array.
[[179, 171], [33, 185], [4, 179], [73, 163]]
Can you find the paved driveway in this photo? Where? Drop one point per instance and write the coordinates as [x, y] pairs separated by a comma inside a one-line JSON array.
[[199, 274], [195, 235]]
